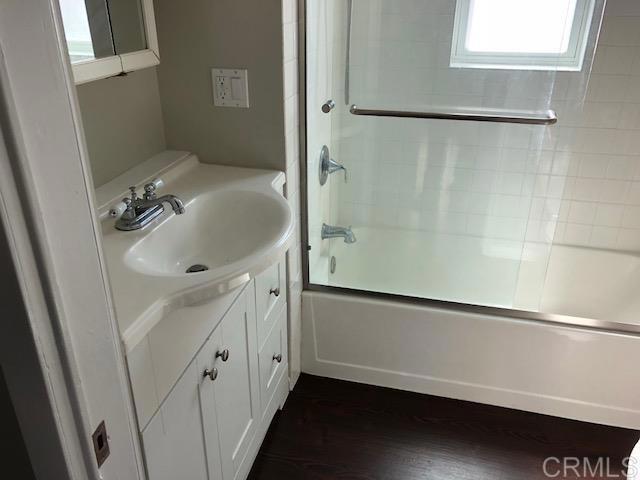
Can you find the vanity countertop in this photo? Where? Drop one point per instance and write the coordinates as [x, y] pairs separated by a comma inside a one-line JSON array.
[[241, 210]]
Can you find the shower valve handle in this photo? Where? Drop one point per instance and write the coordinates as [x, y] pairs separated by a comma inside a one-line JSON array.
[[328, 166]]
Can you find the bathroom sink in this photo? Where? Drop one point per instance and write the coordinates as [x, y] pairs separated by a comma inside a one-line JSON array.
[[236, 223], [217, 230]]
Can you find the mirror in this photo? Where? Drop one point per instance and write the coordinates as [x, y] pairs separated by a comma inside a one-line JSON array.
[[81, 31], [109, 37], [127, 25]]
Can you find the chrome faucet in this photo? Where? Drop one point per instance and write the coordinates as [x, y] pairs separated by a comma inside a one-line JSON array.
[[329, 231], [141, 211]]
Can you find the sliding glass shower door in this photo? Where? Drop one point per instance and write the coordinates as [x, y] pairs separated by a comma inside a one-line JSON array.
[[472, 153]]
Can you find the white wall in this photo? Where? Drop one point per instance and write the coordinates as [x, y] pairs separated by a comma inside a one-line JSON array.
[[577, 182], [122, 121], [599, 141], [61, 280], [197, 35]]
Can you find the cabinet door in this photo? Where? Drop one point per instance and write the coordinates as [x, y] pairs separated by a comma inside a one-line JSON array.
[[208, 377], [236, 388], [173, 441], [273, 359], [270, 295]]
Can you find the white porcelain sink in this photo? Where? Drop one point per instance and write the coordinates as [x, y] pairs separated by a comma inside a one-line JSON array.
[[235, 223], [218, 229]]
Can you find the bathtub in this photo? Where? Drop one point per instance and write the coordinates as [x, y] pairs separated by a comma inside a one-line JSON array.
[[561, 363]]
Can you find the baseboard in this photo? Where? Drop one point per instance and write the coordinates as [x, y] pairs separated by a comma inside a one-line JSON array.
[[293, 380]]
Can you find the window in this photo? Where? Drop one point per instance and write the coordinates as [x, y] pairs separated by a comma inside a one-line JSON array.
[[521, 34]]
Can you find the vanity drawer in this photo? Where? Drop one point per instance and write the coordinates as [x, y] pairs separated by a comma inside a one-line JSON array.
[[273, 358], [270, 296]]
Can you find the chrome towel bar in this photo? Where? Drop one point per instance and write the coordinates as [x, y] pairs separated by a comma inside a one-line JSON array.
[[547, 117]]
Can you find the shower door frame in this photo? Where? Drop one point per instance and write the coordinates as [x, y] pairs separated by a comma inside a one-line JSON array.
[[512, 314]]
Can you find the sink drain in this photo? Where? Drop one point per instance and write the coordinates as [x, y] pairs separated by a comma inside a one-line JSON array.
[[197, 268]]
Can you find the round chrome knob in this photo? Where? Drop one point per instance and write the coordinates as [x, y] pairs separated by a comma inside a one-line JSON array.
[[328, 106], [212, 374], [278, 357], [275, 291], [224, 354]]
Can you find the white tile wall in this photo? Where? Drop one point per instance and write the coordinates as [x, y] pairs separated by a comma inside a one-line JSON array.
[[325, 70], [291, 118], [577, 182]]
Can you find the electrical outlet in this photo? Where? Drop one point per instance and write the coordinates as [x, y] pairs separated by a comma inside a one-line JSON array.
[[230, 87]]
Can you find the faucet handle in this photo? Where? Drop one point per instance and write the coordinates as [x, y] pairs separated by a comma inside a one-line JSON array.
[[335, 166], [129, 207], [119, 208], [134, 194], [150, 189]]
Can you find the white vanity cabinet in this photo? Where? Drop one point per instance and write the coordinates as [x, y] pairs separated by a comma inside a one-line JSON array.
[[212, 421], [174, 442], [236, 387]]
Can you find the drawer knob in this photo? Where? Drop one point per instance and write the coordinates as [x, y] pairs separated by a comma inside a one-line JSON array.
[[212, 374], [278, 357], [275, 291], [224, 354]]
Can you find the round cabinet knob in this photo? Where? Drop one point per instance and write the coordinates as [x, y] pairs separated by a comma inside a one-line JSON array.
[[224, 354], [278, 357], [212, 374], [275, 291]]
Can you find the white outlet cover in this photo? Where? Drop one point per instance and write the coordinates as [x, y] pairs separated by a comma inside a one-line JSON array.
[[230, 87]]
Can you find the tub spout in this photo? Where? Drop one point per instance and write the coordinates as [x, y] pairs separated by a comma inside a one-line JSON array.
[[330, 231]]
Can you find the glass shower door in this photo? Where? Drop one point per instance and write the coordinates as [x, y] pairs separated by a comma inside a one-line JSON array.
[[444, 118]]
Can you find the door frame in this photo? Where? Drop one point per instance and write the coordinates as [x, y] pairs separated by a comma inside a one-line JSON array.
[[60, 345]]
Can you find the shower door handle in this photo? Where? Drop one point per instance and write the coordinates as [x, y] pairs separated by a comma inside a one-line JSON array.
[[547, 117]]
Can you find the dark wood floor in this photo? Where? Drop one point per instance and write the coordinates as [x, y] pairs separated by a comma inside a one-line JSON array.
[[331, 429]]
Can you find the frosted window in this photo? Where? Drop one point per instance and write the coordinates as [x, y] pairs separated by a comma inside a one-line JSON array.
[[521, 34], [533, 26]]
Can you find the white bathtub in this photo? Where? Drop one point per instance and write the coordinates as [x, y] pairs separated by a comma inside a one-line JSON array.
[[546, 367]]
